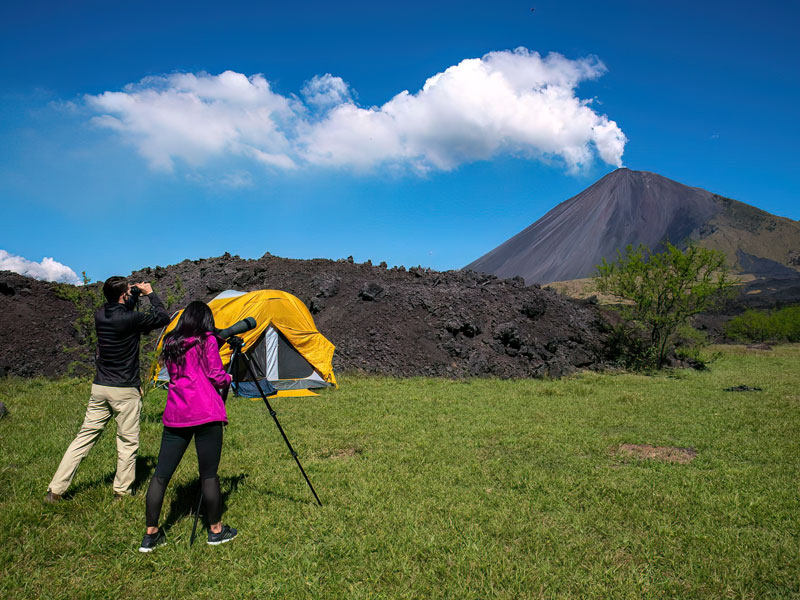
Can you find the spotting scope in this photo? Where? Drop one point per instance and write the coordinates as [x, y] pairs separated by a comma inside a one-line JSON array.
[[237, 328]]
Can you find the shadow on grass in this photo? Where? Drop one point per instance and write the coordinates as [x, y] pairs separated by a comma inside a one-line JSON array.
[[185, 499], [290, 498], [144, 467]]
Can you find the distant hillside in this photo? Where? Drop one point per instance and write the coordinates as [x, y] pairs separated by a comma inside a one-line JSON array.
[[754, 240], [638, 207]]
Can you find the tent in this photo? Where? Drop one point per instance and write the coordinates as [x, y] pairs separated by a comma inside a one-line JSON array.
[[286, 350]]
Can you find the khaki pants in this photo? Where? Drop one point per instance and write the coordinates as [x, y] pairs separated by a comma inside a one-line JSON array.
[[125, 405]]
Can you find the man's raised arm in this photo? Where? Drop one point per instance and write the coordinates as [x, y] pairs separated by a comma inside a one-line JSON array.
[[157, 316]]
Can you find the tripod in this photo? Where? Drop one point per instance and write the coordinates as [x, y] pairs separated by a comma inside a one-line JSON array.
[[238, 344]]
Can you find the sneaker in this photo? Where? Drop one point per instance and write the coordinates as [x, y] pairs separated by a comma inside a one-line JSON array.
[[226, 535], [152, 540]]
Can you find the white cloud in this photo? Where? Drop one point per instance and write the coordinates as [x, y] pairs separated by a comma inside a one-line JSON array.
[[234, 179], [47, 270], [199, 117], [326, 91], [505, 103]]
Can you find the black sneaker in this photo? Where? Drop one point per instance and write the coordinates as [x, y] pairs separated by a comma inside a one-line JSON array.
[[151, 540], [226, 535]]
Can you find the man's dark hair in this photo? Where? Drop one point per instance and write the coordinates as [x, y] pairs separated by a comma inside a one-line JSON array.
[[114, 287]]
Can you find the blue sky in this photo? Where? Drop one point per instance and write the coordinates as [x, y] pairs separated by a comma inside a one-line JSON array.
[[123, 145]]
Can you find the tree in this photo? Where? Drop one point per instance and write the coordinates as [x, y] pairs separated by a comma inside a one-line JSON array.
[[87, 298], [661, 291]]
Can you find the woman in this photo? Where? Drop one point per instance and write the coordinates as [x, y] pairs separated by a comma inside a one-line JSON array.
[[194, 409]]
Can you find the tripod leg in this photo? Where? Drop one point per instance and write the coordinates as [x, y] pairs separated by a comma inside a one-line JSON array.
[[196, 516], [275, 418], [234, 356]]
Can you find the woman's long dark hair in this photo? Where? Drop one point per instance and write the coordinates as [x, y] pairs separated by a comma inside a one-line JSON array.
[[196, 320]]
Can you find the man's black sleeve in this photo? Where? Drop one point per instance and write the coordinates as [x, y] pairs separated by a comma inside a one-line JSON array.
[[156, 317]]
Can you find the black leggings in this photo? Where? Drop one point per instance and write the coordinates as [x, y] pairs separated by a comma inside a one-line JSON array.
[[174, 441]]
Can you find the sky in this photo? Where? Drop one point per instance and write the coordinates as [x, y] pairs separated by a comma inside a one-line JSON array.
[[144, 133]]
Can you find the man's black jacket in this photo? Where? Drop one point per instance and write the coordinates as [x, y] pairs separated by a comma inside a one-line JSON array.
[[118, 330]]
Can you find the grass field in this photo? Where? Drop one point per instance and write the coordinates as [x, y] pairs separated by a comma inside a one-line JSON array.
[[434, 489]]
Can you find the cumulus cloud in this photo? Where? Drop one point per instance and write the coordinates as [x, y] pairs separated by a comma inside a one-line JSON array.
[[199, 117], [47, 270], [505, 103], [326, 91]]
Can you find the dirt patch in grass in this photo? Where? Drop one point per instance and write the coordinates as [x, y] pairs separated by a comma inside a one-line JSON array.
[[671, 454], [341, 453]]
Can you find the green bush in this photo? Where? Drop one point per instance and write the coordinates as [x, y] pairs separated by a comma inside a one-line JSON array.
[[690, 347], [781, 325], [661, 291], [86, 298], [628, 347], [788, 323]]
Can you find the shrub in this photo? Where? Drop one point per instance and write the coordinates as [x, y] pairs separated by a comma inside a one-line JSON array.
[[662, 291], [781, 325], [86, 298], [628, 346], [690, 346]]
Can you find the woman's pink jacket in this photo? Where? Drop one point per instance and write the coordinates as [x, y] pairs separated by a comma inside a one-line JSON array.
[[194, 387]]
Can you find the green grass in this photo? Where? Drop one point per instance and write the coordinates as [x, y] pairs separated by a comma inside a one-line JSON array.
[[434, 489]]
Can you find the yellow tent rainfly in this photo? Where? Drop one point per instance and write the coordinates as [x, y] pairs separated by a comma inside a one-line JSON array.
[[285, 348]]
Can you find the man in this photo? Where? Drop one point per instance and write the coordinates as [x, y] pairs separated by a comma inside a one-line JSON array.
[[115, 391]]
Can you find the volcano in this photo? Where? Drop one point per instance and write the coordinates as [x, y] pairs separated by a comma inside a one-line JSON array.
[[639, 207]]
